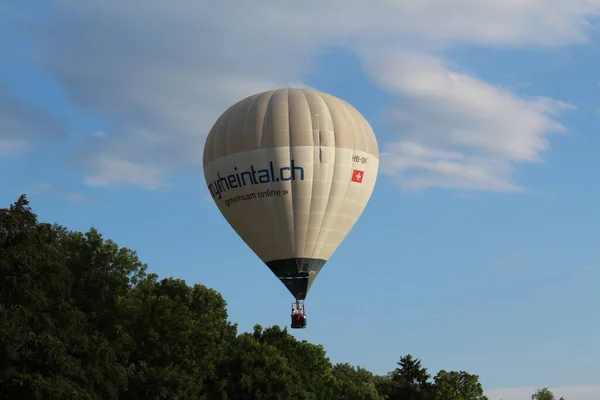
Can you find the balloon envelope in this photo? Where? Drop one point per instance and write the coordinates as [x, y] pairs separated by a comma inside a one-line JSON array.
[[291, 170]]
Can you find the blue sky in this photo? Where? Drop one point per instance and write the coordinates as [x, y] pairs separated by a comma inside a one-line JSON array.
[[478, 248]]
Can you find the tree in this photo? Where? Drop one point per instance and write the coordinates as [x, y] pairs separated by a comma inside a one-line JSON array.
[[81, 319], [177, 334], [256, 370], [310, 362], [412, 380], [47, 348], [351, 383], [386, 386], [458, 386], [544, 394]]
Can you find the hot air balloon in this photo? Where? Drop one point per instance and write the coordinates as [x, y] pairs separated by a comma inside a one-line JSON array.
[[292, 170]]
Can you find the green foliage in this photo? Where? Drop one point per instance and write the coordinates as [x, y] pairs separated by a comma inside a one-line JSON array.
[[48, 349], [544, 394], [257, 370], [82, 319], [312, 366], [411, 380], [354, 384], [458, 386], [175, 335]]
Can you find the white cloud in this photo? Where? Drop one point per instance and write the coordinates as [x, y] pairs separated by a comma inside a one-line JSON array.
[[568, 392], [457, 130], [164, 73]]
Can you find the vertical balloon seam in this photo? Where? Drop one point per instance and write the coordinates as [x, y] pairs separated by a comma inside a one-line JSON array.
[[310, 113], [292, 229], [263, 138], [246, 139], [212, 136], [232, 126], [322, 221], [328, 203], [270, 138], [322, 236], [293, 193], [333, 150], [263, 133], [248, 142], [223, 126], [349, 116], [335, 168]]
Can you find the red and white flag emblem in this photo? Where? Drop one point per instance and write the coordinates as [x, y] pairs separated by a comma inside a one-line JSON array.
[[357, 176]]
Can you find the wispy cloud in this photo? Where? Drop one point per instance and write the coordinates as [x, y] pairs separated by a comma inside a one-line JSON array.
[[456, 130], [22, 124], [164, 73], [57, 190]]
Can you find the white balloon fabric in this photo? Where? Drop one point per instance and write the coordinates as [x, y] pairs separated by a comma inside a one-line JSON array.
[[291, 170]]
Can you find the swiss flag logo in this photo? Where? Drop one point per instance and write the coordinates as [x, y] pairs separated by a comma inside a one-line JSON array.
[[357, 175]]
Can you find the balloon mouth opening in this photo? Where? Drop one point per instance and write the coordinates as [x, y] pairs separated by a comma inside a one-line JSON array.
[[297, 274]]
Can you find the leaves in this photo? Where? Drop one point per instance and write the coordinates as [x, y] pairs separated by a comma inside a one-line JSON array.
[[458, 386], [544, 394]]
